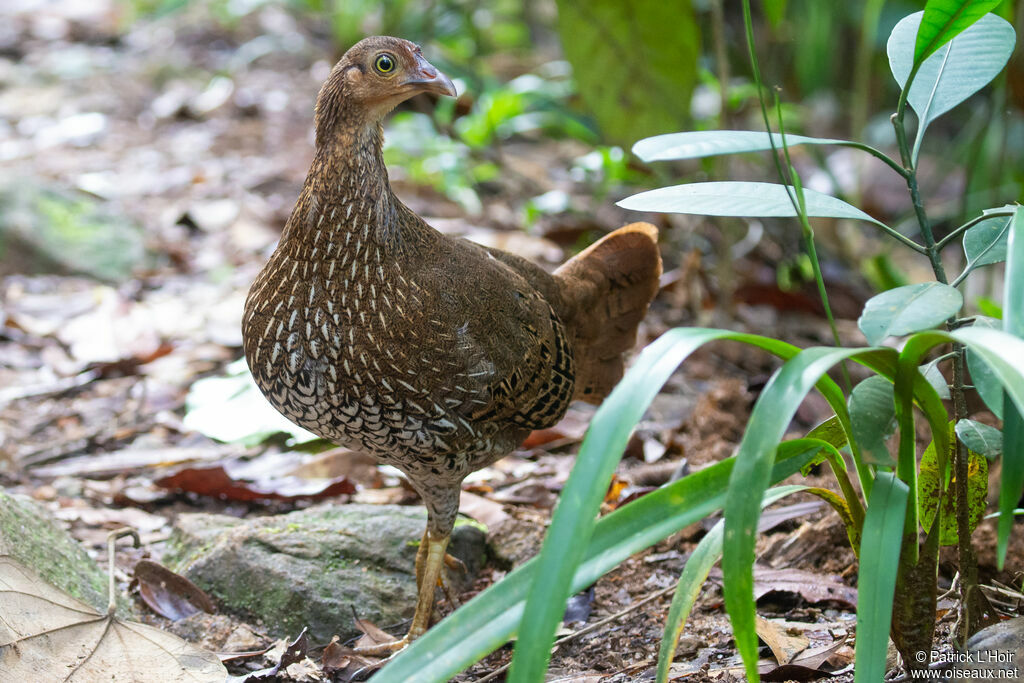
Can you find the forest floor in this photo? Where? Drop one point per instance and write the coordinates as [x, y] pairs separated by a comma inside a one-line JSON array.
[[200, 133]]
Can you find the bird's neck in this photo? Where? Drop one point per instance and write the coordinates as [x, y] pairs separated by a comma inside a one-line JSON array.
[[346, 192]]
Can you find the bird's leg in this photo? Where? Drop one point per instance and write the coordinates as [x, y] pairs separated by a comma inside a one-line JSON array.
[[429, 562], [421, 556]]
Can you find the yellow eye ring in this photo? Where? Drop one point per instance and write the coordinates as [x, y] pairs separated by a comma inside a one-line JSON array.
[[384, 63]]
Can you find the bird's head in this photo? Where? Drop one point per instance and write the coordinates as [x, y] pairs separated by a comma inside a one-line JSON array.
[[374, 76]]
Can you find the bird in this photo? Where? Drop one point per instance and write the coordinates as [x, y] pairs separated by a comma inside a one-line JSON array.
[[432, 353]]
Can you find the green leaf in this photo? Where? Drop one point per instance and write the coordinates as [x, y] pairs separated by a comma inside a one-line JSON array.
[[487, 621], [573, 519], [830, 431], [982, 377], [707, 143], [934, 483], [1012, 480], [980, 438], [873, 417], [730, 198], [695, 573], [768, 421], [232, 409], [943, 20], [936, 379], [985, 243], [955, 71], [908, 309], [876, 585], [622, 54]]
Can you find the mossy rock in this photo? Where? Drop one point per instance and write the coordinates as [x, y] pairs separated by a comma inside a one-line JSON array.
[[33, 538], [50, 229], [312, 568]]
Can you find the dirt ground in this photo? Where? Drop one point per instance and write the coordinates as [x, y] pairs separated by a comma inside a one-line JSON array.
[[201, 135]]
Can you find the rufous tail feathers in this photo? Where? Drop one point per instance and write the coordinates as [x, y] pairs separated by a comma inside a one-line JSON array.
[[607, 289]]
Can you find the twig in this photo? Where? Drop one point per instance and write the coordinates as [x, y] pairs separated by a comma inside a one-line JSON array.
[[588, 629]]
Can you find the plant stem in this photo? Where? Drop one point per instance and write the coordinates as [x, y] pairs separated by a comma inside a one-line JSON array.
[[970, 602]]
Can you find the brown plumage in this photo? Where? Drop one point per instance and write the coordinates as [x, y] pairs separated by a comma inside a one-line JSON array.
[[434, 354]]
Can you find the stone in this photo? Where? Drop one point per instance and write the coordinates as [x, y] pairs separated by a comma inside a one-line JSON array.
[[49, 229], [31, 536], [996, 652], [316, 567]]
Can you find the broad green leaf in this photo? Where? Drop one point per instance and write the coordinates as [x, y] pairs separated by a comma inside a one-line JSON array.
[[730, 198], [490, 619], [873, 417], [985, 243], [775, 10], [876, 585], [934, 481], [935, 377], [1012, 480], [695, 573], [980, 438], [634, 64], [830, 431], [232, 409], [908, 309], [983, 379], [943, 20], [955, 71], [707, 143]]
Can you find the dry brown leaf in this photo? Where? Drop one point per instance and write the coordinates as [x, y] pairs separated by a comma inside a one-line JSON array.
[[216, 482], [47, 635], [168, 594], [783, 646], [812, 587]]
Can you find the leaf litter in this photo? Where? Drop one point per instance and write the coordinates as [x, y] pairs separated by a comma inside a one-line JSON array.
[[46, 634]]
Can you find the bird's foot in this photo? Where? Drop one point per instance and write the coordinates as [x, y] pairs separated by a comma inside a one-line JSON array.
[[454, 563]]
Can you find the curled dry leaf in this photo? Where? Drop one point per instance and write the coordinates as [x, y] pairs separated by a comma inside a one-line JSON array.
[[168, 594], [294, 653], [47, 635], [217, 483]]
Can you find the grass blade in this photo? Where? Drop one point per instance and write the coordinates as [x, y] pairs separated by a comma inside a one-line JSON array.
[[1012, 480], [489, 620], [573, 518], [695, 573], [771, 416], [879, 562]]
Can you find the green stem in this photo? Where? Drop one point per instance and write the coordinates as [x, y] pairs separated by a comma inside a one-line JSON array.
[[878, 154]]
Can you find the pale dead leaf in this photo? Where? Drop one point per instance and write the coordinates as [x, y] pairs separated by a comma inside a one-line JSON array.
[[487, 512], [783, 646], [47, 635]]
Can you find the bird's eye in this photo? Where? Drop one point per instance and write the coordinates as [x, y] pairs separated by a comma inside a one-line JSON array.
[[385, 63]]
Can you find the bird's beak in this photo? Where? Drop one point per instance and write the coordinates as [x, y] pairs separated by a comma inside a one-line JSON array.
[[427, 78]]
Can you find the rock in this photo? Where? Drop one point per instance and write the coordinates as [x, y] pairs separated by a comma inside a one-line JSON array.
[[314, 567], [31, 536], [46, 229], [996, 652]]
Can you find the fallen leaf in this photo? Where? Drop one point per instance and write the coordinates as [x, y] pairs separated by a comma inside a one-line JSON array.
[[47, 635], [294, 653], [783, 646], [168, 594], [217, 483], [483, 510], [814, 588]]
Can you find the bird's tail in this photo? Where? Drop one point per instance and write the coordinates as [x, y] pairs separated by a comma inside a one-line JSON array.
[[606, 290]]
